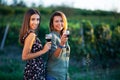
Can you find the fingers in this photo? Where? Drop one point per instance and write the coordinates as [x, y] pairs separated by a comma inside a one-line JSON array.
[[64, 38], [48, 45]]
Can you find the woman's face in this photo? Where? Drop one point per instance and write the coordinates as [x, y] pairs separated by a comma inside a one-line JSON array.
[[34, 21], [58, 23]]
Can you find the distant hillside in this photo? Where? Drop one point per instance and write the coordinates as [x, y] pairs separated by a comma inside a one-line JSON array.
[[6, 10]]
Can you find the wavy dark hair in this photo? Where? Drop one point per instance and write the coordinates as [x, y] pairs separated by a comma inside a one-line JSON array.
[[26, 23]]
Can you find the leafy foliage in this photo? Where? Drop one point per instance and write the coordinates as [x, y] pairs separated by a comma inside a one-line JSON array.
[[94, 38]]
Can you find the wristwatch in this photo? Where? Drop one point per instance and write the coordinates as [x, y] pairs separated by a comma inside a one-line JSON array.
[[61, 46]]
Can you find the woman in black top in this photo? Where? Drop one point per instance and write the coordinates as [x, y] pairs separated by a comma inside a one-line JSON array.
[[32, 50]]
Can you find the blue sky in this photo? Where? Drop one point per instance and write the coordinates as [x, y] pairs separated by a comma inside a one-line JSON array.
[[108, 5]]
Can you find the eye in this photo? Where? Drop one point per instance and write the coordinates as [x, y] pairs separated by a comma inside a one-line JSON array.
[[56, 21], [33, 19], [38, 19], [61, 20]]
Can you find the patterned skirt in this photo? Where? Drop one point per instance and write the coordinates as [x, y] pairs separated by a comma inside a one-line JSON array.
[[34, 70]]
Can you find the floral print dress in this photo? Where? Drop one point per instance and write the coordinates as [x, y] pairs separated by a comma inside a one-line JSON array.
[[34, 69]]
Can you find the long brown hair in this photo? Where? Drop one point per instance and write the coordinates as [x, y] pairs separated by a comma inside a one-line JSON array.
[[26, 23], [58, 13]]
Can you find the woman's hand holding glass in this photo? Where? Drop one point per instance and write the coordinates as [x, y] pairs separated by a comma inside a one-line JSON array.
[[64, 39], [47, 47]]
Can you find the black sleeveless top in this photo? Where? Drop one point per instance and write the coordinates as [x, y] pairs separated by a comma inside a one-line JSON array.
[[34, 69]]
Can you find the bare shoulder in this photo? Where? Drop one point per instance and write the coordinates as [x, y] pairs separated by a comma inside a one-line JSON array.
[[31, 37]]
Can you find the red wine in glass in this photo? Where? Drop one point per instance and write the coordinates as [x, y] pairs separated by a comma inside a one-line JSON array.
[[67, 32], [48, 37], [48, 40]]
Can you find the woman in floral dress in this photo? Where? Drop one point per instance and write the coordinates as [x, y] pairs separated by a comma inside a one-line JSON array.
[[32, 47]]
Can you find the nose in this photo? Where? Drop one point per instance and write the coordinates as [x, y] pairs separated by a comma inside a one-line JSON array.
[[36, 22], [60, 23]]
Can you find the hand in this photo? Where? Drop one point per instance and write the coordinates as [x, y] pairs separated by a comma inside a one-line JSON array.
[[47, 47], [64, 39]]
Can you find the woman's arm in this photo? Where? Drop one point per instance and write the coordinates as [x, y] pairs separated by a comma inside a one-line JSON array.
[[26, 54], [60, 46]]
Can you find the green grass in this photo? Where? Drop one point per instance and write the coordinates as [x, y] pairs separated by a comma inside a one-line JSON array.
[[11, 68], [11, 65], [81, 73], [11, 75]]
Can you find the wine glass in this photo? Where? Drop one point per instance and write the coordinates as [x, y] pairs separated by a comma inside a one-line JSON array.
[[48, 37], [67, 32]]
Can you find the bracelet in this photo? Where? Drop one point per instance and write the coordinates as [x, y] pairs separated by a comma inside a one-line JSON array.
[[61, 46]]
